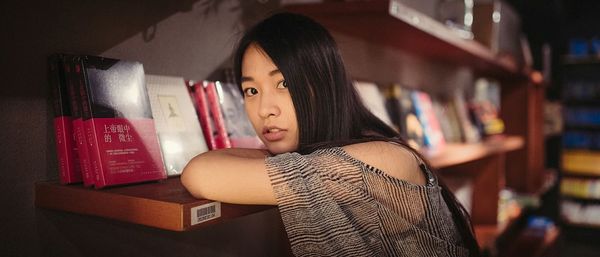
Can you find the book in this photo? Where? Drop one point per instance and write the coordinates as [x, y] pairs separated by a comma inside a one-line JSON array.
[[580, 213], [373, 99], [180, 135], [66, 147], [486, 107], [198, 94], [404, 115], [214, 106], [445, 115], [580, 188], [239, 129], [581, 162], [469, 131], [582, 116], [119, 125], [76, 88], [433, 136], [573, 139]]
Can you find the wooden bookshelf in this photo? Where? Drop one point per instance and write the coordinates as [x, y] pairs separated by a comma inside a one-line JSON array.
[[394, 24], [575, 60], [165, 204], [456, 154]]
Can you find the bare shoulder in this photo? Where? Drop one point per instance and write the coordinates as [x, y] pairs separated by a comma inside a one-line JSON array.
[[395, 160]]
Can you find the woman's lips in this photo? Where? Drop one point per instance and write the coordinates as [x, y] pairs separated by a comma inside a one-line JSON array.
[[274, 134]]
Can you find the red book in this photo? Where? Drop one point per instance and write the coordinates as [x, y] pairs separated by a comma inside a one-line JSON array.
[[221, 137], [76, 85], [66, 147], [119, 125], [204, 116]]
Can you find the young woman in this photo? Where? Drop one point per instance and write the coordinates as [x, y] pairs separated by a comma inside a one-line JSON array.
[[345, 183]]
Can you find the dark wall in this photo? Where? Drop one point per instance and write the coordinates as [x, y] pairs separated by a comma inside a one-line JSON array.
[[184, 38]]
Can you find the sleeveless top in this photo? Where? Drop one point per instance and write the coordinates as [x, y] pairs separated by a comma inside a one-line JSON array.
[[333, 204]]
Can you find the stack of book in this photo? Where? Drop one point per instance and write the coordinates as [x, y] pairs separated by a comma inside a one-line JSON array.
[[580, 157], [116, 125], [427, 121]]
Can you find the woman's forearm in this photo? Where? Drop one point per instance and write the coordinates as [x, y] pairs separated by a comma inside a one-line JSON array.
[[230, 175]]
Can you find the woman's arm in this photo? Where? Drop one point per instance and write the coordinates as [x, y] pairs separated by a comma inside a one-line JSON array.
[[230, 175]]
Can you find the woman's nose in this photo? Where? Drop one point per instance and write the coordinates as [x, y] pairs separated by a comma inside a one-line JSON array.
[[268, 107]]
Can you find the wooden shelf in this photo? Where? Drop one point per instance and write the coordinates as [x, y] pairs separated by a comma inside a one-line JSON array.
[[456, 154], [579, 199], [394, 24], [588, 60], [165, 204], [487, 234], [580, 225]]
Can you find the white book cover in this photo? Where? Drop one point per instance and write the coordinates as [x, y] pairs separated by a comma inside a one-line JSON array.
[[176, 121], [373, 99]]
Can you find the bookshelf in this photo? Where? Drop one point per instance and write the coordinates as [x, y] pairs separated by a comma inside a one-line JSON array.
[[394, 24], [456, 154], [373, 21], [517, 160], [165, 204], [580, 153]]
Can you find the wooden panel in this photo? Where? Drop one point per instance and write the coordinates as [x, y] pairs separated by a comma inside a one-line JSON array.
[[487, 177], [522, 111], [394, 24], [456, 154], [164, 205]]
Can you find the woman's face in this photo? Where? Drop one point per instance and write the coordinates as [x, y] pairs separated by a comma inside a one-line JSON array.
[[268, 102]]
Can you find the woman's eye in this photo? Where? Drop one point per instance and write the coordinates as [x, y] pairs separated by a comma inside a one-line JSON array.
[[250, 91], [282, 84]]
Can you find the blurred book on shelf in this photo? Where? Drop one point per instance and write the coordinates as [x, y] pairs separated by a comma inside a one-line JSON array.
[[64, 132], [485, 106], [373, 99], [240, 131]]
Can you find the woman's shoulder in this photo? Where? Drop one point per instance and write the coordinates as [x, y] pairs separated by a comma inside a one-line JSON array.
[[393, 159]]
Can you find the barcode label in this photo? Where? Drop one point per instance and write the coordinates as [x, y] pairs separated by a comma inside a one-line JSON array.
[[205, 212]]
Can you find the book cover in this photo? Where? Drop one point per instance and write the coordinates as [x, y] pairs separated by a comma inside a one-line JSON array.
[[76, 85], [581, 162], [582, 117], [119, 124], [486, 107], [434, 138], [213, 100], [585, 188], [66, 148], [239, 129], [179, 133], [373, 99], [198, 94], [440, 112], [409, 126], [469, 131]]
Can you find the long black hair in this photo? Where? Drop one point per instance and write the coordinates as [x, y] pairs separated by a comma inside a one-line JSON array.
[[328, 108]]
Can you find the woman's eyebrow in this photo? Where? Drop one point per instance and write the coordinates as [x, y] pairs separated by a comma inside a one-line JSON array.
[[246, 79], [274, 72], [271, 73]]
